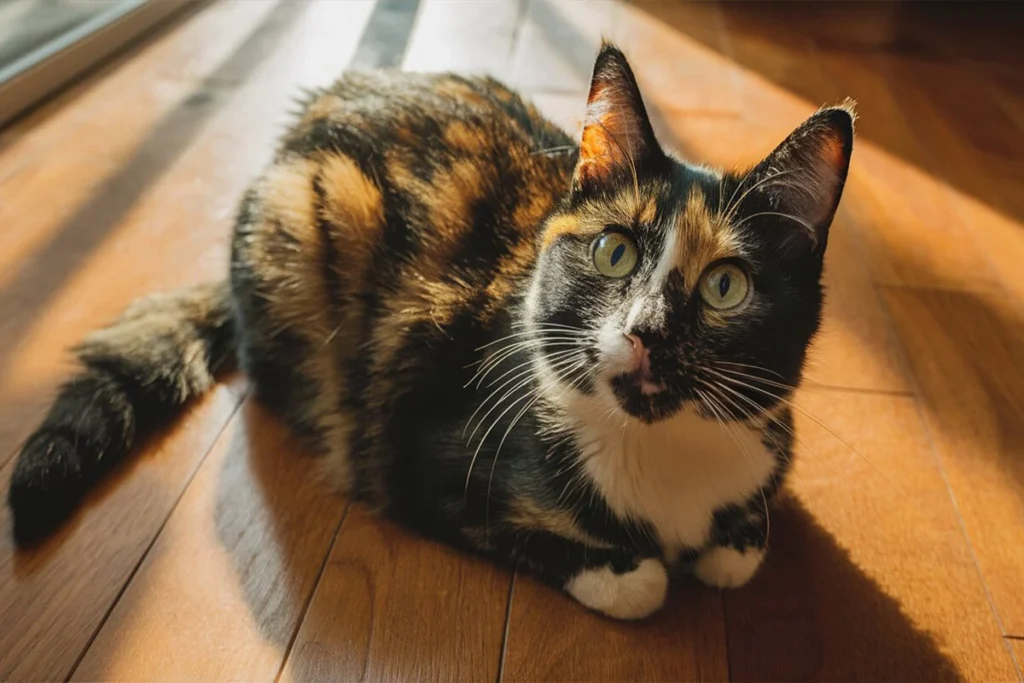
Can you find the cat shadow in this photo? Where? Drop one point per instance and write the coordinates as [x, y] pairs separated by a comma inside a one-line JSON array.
[[813, 614], [276, 516], [810, 614]]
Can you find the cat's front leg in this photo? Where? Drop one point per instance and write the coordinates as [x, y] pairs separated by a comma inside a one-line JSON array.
[[737, 549], [613, 581], [727, 567], [632, 593]]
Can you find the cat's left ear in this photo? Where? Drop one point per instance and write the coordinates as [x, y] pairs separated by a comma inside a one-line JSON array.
[[618, 139], [805, 175]]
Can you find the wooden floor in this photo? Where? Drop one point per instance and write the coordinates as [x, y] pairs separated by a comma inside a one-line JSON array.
[[217, 555]]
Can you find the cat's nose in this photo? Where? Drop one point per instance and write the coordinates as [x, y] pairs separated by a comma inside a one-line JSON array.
[[641, 355]]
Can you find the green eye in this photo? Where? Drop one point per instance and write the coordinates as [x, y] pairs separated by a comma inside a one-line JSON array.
[[724, 286], [615, 255]]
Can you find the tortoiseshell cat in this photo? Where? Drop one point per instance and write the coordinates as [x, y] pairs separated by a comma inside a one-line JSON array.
[[571, 359]]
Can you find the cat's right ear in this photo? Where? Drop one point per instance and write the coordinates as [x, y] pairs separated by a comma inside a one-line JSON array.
[[805, 175], [618, 139]]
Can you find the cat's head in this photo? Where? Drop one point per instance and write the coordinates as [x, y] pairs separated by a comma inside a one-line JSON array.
[[679, 284]]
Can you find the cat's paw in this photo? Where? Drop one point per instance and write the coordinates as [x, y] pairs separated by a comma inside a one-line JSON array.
[[722, 567], [630, 595]]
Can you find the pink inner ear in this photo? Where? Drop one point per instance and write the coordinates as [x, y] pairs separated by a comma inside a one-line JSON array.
[[832, 152], [824, 179], [616, 133], [595, 160], [603, 135]]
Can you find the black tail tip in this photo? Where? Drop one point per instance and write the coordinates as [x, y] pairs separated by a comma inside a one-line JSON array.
[[46, 487]]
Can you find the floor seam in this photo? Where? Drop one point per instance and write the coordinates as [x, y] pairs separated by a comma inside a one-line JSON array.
[[312, 593], [508, 625], [933, 448], [240, 399]]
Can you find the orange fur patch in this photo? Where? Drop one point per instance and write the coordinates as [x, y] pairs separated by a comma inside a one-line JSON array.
[[703, 238], [351, 200]]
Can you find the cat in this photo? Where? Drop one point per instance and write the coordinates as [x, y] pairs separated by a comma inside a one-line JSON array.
[[570, 357]]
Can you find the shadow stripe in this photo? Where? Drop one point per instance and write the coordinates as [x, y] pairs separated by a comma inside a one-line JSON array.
[[386, 37], [42, 274]]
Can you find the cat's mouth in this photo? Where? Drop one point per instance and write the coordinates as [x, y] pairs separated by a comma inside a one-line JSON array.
[[642, 380], [645, 397]]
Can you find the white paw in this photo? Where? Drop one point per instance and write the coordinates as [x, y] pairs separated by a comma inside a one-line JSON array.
[[727, 567], [632, 595]]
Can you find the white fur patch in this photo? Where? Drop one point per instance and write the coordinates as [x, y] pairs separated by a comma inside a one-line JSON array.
[[672, 474], [631, 595], [727, 567]]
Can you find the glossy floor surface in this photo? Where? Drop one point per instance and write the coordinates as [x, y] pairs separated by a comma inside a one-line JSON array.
[[218, 555]]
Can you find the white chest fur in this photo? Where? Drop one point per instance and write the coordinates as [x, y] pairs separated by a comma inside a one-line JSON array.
[[674, 474]]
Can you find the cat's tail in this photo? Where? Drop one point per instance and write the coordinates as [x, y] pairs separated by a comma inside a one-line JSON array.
[[136, 374]]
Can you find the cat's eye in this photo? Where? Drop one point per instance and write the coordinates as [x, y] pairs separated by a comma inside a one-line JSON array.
[[724, 286], [615, 255]]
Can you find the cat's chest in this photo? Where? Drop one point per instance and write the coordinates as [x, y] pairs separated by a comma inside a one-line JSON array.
[[675, 475]]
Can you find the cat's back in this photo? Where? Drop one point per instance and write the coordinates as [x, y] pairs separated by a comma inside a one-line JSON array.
[[396, 221], [439, 147], [459, 170], [436, 178]]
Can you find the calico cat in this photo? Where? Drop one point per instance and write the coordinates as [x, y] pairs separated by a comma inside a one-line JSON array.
[[571, 358]]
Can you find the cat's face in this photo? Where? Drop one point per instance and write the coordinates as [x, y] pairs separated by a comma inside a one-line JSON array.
[[679, 284]]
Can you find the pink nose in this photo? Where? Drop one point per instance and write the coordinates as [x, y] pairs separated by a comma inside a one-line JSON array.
[[641, 356]]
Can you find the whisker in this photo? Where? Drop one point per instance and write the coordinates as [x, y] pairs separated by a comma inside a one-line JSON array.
[[484, 372], [549, 324], [524, 333], [564, 147], [788, 388], [529, 378], [503, 354], [732, 207], [490, 479], [748, 365], [549, 357], [731, 429], [524, 373], [796, 219], [483, 439], [805, 413]]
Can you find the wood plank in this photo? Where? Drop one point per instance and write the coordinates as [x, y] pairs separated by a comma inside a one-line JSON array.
[[558, 42], [565, 110], [680, 71], [552, 637], [903, 210], [56, 597], [978, 150], [975, 145], [967, 353], [230, 575], [171, 63], [46, 634], [103, 127], [869, 576], [392, 606], [465, 36]]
